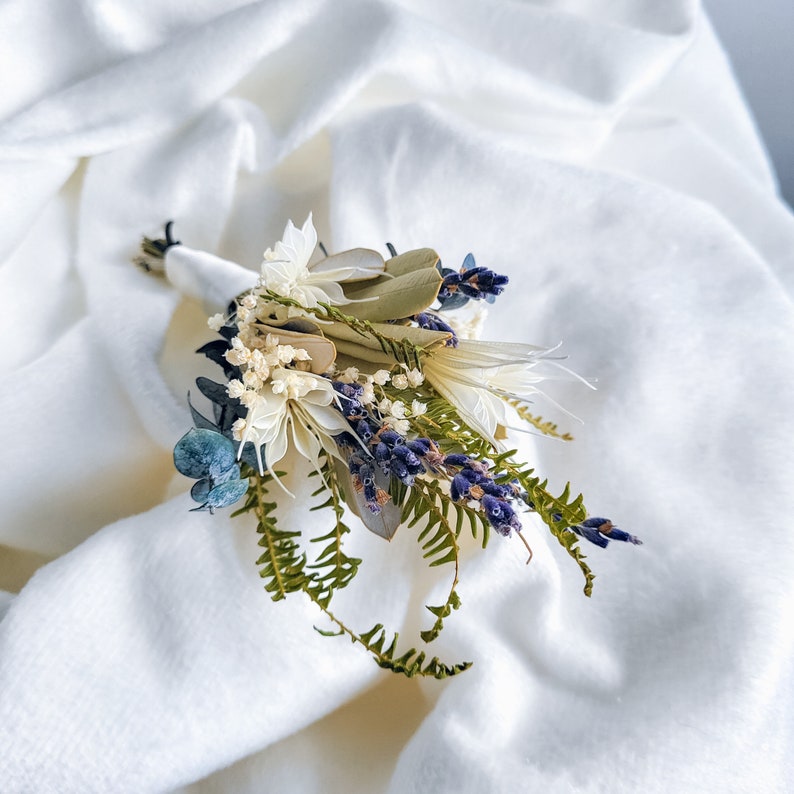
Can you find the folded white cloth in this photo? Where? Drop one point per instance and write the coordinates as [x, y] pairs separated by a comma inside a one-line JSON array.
[[597, 153]]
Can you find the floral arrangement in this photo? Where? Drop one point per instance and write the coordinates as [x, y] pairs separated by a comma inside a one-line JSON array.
[[366, 367]]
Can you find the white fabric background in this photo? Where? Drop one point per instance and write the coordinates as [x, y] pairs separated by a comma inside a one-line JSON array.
[[598, 153]]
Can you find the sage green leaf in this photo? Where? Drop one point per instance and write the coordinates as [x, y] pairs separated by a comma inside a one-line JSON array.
[[367, 347], [420, 337], [410, 261], [394, 298]]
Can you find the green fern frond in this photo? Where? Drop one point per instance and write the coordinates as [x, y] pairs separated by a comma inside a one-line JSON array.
[[441, 421], [410, 663], [285, 571], [427, 502], [334, 569], [283, 561]]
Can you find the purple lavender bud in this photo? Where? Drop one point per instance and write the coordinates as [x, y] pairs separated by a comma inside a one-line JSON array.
[[345, 440], [407, 457], [618, 534], [367, 476], [591, 534], [499, 514], [493, 489], [353, 409], [391, 437], [353, 465], [459, 488], [474, 477], [419, 446], [449, 284], [595, 522], [383, 457], [433, 323], [456, 459], [349, 390], [400, 471], [363, 430]]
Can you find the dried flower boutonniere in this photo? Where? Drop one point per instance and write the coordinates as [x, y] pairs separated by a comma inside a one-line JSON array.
[[366, 367]]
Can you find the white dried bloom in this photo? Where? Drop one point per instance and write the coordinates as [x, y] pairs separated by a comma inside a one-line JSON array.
[[418, 408], [381, 377], [384, 406], [286, 354], [401, 426], [249, 398], [298, 408], [286, 270], [415, 378], [398, 409], [400, 381], [350, 375], [235, 388], [252, 379], [239, 354], [238, 429], [248, 301], [368, 395], [216, 322]]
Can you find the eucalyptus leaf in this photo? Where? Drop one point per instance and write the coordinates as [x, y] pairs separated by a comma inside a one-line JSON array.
[[232, 473], [204, 453], [393, 298], [455, 301], [400, 333], [199, 420], [200, 490], [214, 392], [410, 261], [227, 493], [214, 351]]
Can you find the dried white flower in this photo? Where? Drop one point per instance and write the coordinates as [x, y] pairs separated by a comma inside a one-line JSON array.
[[216, 322], [401, 426], [398, 409], [418, 408], [235, 388], [350, 375], [238, 429], [415, 378], [239, 354]]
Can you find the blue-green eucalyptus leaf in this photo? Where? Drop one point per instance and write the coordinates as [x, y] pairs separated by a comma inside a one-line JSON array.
[[227, 493], [199, 420], [215, 351], [214, 392], [232, 473], [200, 490], [204, 453]]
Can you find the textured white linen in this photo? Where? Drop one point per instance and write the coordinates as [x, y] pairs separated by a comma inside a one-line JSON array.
[[598, 153]]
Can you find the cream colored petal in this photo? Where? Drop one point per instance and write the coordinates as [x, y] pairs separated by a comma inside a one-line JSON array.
[[355, 264]]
